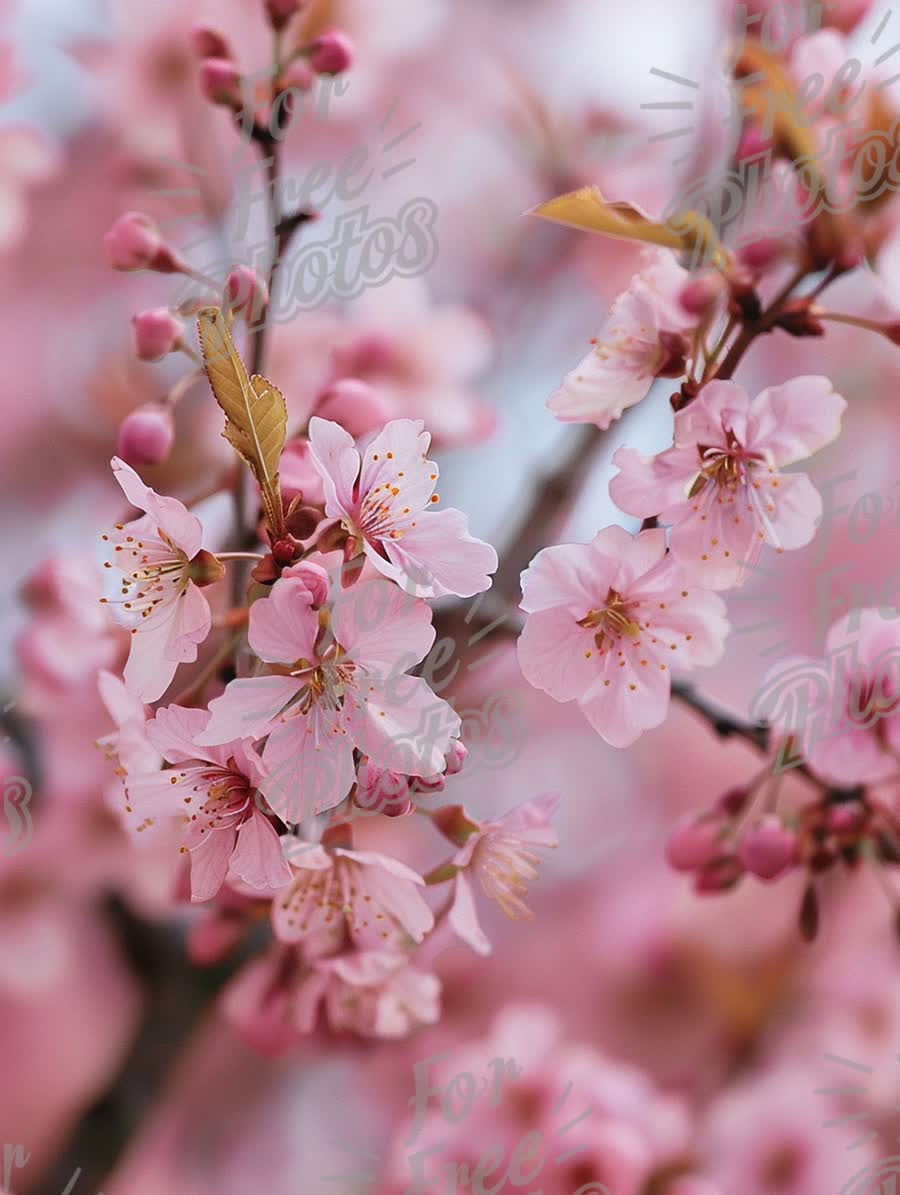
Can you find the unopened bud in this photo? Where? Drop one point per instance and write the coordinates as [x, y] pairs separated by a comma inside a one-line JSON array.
[[355, 405], [693, 843], [156, 332], [146, 435], [133, 242], [281, 11], [381, 790], [455, 758], [285, 550], [220, 82], [718, 876], [699, 295], [768, 849], [331, 53], [207, 42], [314, 577], [246, 293], [302, 521]]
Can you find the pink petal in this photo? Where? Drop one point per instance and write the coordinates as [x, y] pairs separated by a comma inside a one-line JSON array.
[[530, 821], [438, 557], [407, 443], [335, 457], [258, 859], [683, 614], [403, 725], [718, 406], [648, 485], [556, 655], [209, 863], [121, 705], [798, 509], [247, 708], [568, 575], [718, 540], [309, 761], [173, 731], [600, 388], [796, 419], [283, 626], [463, 916], [625, 701], [382, 628], [170, 515], [138, 494]]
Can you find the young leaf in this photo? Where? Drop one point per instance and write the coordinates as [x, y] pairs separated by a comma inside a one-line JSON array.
[[587, 209], [255, 411]]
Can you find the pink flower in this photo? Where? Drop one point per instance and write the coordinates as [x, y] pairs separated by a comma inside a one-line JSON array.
[[720, 485], [159, 556], [328, 694], [340, 896], [607, 621], [384, 501], [375, 993], [635, 346], [213, 789], [500, 855]]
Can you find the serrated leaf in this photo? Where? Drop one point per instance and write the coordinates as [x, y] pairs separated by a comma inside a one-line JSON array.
[[586, 208], [255, 411]]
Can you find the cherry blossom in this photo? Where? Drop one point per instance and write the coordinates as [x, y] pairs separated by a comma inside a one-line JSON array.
[[607, 621], [335, 895], [639, 342], [721, 486], [384, 501], [374, 993], [214, 789], [325, 695], [161, 561], [500, 855]]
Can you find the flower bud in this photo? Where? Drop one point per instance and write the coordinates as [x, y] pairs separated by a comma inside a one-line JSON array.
[[156, 333], [355, 405], [845, 818], [718, 876], [427, 785], [133, 242], [302, 521], [207, 42], [281, 11], [732, 801], [146, 435], [693, 843], [314, 577], [380, 790], [768, 849], [220, 82], [455, 758], [298, 475], [246, 293], [699, 295], [331, 53]]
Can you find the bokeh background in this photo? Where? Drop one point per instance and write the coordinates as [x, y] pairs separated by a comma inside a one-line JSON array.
[[739, 1045]]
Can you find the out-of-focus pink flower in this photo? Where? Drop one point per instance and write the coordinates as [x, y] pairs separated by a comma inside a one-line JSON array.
[[355, 405], [26, 160], [768, 849], [373, 993], [607, 621], [220, 82], [346, 690], [213, 789], [207, 42], [146, 435], [338, 897], [721, 486], [386, 500], [133, 243], [501, 856], [631, 350], [298, 474], [158, 555]]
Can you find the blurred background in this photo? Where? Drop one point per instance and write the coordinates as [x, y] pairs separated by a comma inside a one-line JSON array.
[[703, 1034]]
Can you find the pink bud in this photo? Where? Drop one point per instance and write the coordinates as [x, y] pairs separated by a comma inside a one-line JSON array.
[[693, 843], [281, 11], [133, 242], [845, 819], [207, 42], [156, 333], [381, 790], [760, 255], [702, 292], [299, 76], [768, 849], [331, 53], [732, 801], [427, 785], [246, 293], [718, 876], [455, 758], [146, 435], [355, 406], [220, 82], [314, 577]]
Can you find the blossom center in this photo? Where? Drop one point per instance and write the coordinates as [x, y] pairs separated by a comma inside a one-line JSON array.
[[612, 620]]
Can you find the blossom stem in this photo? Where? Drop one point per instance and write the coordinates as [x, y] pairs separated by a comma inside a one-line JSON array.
[[854, 321], [240, 556]]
